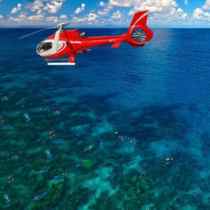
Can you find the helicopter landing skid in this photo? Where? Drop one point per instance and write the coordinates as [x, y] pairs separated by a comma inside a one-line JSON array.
[[61, 64]]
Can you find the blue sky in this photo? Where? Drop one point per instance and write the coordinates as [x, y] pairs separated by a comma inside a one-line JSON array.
[[165, 13]]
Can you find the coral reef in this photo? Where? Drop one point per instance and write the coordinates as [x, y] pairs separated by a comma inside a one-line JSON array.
[[83, 154]]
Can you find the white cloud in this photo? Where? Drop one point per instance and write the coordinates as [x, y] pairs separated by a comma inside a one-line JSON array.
[[16, 9], [117, 15], [54, 6], [37, 12], [63, 17], [101, 3], [92, 17], [206, 6], [202, 13], [80, 9], [162, 11], [35, 18], [52, 19], [41, 6], [122, 3], [151, 5], [37, 6], [104, 10]]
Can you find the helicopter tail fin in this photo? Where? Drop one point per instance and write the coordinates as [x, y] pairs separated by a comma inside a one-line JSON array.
[[139, 33]]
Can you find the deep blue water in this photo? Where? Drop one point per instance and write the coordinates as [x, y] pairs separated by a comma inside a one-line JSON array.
[[125, 129]]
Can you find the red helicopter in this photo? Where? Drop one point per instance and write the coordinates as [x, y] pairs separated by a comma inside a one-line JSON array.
[[69, 43]]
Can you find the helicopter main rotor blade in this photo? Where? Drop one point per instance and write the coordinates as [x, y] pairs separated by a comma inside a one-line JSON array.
[[35, 32], [44, 29]]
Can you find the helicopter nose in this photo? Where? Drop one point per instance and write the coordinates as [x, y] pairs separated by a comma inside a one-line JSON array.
[[51, 48]]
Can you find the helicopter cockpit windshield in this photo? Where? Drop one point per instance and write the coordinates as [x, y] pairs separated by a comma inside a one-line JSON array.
[[44, 46]]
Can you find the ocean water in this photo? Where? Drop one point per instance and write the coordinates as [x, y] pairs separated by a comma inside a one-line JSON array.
[[126, 129]]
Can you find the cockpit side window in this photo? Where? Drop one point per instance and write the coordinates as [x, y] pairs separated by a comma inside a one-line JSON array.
[[45, 46], [83, 34]]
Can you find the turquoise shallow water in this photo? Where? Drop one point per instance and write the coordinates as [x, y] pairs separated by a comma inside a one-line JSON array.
[[126, 129]]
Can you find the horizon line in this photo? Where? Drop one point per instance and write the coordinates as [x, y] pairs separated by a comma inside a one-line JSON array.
[[101, 27]]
